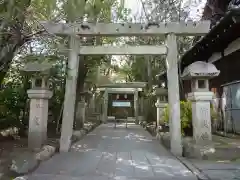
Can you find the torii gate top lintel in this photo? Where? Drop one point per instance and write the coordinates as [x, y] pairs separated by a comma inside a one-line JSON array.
[[128, 29]]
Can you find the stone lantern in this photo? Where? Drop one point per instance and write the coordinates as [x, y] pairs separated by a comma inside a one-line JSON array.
[[105, 106], [199, 74], [81, 110], [161, 103], [136, 105], [39, 95]]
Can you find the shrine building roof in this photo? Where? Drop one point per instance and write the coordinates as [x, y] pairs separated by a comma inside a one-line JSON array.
[[225, 31]]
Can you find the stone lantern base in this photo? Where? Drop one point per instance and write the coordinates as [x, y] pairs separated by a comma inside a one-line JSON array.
[[80, 114], [160, 110], [38, 117], [200, 146], [197, 151]]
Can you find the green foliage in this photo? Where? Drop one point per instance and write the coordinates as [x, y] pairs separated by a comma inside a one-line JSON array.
[[150, 108], [12, 104], [185, 113], [20, 31]]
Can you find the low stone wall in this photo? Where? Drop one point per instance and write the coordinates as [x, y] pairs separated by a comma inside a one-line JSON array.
[[160, 132], [151, 129], [93, 117], [218, 149], [190, 150], [30, 160], [77, 135]]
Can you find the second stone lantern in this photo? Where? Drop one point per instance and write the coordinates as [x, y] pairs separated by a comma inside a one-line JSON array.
[[199, 74]]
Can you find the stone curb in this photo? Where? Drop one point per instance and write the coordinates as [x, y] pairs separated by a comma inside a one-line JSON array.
[[21, 178], [197, 172], [48, 151], [78, 135]]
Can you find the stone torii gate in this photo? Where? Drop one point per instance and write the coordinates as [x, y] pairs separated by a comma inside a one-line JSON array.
[[170, 30]]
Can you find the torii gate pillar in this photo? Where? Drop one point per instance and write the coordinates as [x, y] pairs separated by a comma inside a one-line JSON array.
[[173, 95], [70, 96]]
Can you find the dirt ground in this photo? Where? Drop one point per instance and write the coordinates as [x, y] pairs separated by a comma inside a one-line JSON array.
[[227, 149], [12, 146]]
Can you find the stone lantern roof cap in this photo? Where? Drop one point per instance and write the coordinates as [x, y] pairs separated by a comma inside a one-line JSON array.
[[160, 91], [85, 93], [36, 68], [200, 69]]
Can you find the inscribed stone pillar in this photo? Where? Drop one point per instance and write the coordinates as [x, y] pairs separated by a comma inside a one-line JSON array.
[[38, 117], [160, 105], [173, 95], [199, 73], [201, 116], [101, 108], [223, 108], [70, 96], [99, 105], [136, 106], [141, 114], [92, 103], [142, 105], [105, 106], [80, 115], [157, 104]]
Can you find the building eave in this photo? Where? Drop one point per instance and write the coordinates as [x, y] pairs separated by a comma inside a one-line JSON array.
[[218, 38]]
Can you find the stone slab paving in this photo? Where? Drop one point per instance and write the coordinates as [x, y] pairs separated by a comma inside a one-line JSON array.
[[219, 170], [114, 154]]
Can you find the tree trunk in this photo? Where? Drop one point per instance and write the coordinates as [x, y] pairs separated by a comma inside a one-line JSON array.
[[6, 57], [11, 34]]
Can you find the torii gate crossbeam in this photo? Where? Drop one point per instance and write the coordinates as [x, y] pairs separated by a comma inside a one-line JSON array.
[[128, 29], [123, 50]]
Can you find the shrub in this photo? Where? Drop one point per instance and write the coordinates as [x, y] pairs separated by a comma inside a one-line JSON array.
[[150, 109], [11, 105], [186, 117]]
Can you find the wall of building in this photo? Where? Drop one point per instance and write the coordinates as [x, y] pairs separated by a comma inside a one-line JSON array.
[[229, 67]]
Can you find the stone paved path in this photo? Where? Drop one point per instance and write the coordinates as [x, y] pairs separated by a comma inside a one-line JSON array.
[[114, 154]]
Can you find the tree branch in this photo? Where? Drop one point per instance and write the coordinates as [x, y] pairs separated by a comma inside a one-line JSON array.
[[29, 37]]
